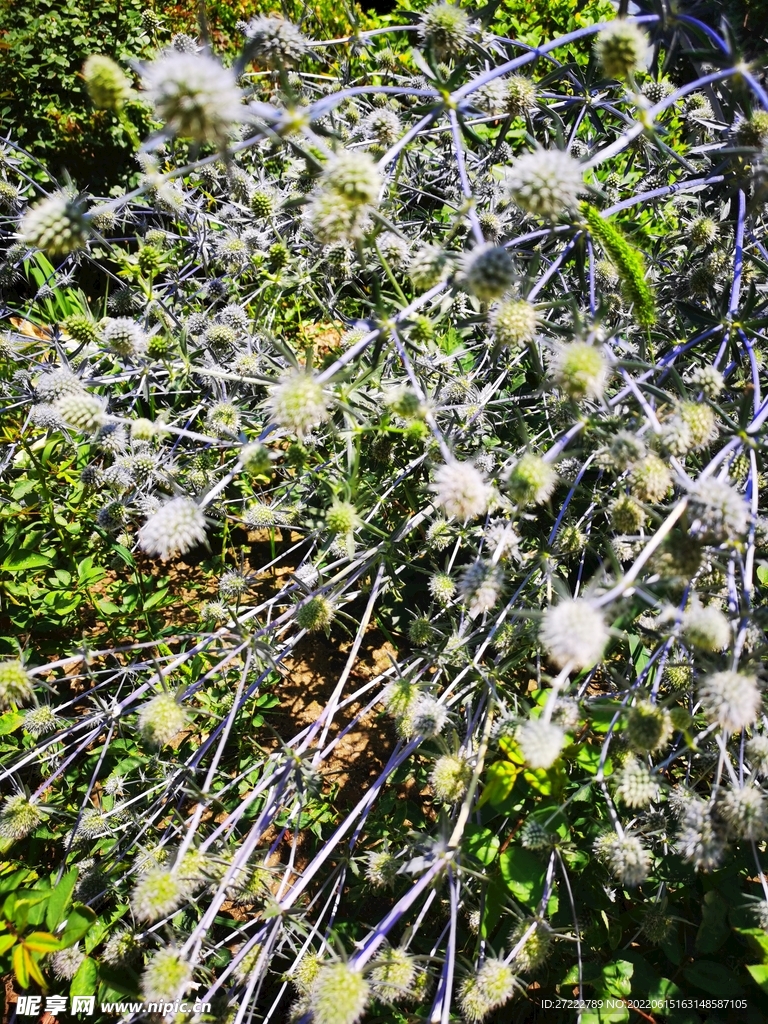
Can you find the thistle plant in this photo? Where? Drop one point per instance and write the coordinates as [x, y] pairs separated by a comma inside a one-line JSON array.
[[383, 583]]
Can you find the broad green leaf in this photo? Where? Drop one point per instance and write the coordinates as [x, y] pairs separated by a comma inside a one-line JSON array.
[[21, 960], [759, 974], [42, 942], [79, 921], [59, 899], [84, 982], [499, 781], [6, 941], [481, 843], [25, 560], [713, 977], [714, 929], [523, 873], [10, 722]]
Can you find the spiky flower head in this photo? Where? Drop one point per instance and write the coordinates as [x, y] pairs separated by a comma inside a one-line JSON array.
[[757, 753], [298, 403], [649, 727], [66, 962], [334, 221], [315, 614], [392, 975], [636, 787], [534, 836], [700, 841], [274, 42], [446, 28], [536, 948], [709, 379], [81, 327], [158, 893], [15, 684], [540, 742], [353, 178], [490, 987], [442, 587], [123, 336], [233, 584], [488, 272], [717, 513], [650, 480], [574, 633], [194, 95], [753, 131], [627, 516], [621, 48], [706, 627], [40, 720], [531, 480], [82, 412], [107, 84], [450, 777], [122, 947], [744, 809], [461, 490], [177, 527], [626, 858], [546, 183], [514, 323], [341, 517], [421, 631], [732, 699], [520, 95], [428, 266], [160, 719], [657, 924], [703, 231], [18, 817], [581, 370], [700, 420], [338, 995], [166, 976], [425, 716], [381, 868], [56, 225]]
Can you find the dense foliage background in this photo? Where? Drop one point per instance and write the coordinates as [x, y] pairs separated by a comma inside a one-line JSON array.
[[384, 552]]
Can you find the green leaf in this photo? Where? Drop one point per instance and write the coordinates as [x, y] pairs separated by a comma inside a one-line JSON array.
[[523, 874], [714, 929], [59, 899], [762, 575], [500, 779], [713, 977], [84, 982], [481, 843], [25, 560], [78, 922], [42, 942], [10, 722]]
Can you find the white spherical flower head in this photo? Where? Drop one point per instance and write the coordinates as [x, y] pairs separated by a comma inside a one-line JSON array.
[[298, 403], [622, 48], [574, 634], [353, 178], [581, 370], [56, 225], [275, 42], [157, 893], [194, 95], [706, 627], [338, 995], [546, 183], [488, 272], [176, 528], [461, 490], [628, 859], [82, 412], [732, 699], [540, 742], [165, 977], [160, 719]]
